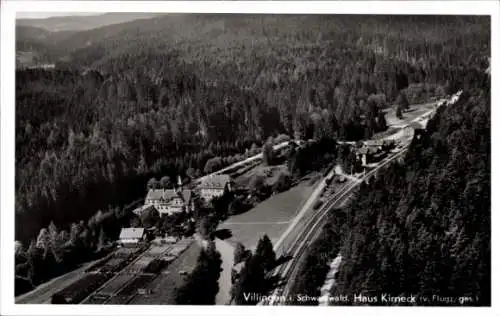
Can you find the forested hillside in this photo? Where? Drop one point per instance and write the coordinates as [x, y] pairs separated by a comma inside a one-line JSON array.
[[159, 96], [86, 22], [424, 227], [421, 227]]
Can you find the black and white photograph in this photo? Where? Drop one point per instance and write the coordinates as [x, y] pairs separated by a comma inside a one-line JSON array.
[[260, 159]]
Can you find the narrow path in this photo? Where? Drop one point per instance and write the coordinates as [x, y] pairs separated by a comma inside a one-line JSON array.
[[257, 223], [330, 281], [227, 255]]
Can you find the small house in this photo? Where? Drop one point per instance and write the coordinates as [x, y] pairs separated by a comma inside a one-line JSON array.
[[215, 186], [130, 236]]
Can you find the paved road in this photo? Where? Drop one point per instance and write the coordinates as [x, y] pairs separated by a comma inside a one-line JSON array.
[[226, 251], [330, 281]]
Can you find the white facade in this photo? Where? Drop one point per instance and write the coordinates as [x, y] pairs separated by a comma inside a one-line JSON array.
[[130, 241], [209, 193], [168, 202], [131, 235]]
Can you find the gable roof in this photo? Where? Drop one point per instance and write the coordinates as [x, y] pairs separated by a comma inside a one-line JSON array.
[[159, 194], [216, 181], [154, 194], [363, 151], [367, 150], [131, 233], [374, 143]]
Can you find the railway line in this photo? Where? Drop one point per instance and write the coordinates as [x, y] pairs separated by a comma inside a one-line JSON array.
[[310, 231]]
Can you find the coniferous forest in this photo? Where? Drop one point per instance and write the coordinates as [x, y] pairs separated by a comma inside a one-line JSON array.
[[423, 226], [156, 97]]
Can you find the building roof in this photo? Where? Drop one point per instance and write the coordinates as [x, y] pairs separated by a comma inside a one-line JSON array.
[[155, 194], [374, 143], [367, 150], [162, 194], [363, 151], [216, 181], [131, 233]]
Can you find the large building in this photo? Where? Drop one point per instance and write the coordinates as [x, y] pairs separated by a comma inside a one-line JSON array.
[[215, 186], [170, 201]]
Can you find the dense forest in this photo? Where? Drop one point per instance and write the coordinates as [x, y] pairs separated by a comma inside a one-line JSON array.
[[421, 227], [157, 97]]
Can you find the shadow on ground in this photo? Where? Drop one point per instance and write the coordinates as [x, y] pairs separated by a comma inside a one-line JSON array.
[[283, 259], [223, 234]]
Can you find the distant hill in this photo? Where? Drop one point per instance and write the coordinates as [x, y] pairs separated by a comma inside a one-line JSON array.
[[38, 40], [79, 23], [36, 45]]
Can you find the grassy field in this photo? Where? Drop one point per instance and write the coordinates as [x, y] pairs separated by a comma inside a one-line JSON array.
[[270, 217], [164, 286]]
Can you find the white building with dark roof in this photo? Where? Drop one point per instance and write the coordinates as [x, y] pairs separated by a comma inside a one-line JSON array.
[[169, 201], [215, 186], [132, 235]]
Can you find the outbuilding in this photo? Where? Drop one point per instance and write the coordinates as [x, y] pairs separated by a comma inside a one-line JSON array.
[[131, 236]]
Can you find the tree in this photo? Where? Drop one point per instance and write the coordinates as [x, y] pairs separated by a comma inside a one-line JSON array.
[[381, 122], [43, 239], [102, 240], [239, 253], [268, 153], [165, 182], [254, 149], [149, 217], [191, 173], [206, 227], [153, 184], [213, 164], [399, 114], [257, 184], [206, 273], [135, 222], [281, 138], [402, 101], [283, 183], [266, 252], [251, 280]]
